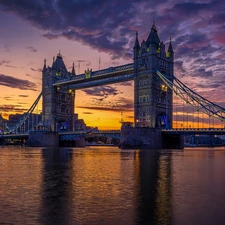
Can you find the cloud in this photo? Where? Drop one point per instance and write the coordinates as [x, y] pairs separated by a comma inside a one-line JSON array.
[[119, 105], [125, 83], [32, 49], [12, 108], [103, 91], [23, 96], [103, 26], [10, 66], [87, 113], [7, 48], [36, 70], [7, 98], [13, 82], [4, 62]]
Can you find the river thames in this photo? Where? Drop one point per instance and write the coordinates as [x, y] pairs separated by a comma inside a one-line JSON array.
[[109, 186]]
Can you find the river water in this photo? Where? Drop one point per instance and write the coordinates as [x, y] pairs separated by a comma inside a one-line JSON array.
[[109, 186]]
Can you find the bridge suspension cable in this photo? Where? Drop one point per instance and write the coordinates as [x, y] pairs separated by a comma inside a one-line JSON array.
[[192, 98], [22, 120]]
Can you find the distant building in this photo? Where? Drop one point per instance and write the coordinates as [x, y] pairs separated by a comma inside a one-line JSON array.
[[3, 123], [35, 119], [79, 125], [203, 140], [32, 120], [91, 129]]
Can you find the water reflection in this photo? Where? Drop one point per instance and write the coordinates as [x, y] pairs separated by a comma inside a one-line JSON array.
[[154, 206], [106, 185], [102, 186], [57, 187]]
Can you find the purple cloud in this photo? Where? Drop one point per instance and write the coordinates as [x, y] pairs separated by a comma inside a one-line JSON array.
[[32, 49], [4, 62], [13, 82]]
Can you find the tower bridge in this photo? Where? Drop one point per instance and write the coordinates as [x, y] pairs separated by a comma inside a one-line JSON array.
[[152, 71], [152, 102]]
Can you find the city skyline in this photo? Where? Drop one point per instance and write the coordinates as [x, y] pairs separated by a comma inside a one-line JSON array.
[[94, 34]]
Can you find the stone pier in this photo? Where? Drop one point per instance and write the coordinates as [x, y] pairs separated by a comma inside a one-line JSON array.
[[140, 137], [43, 139], [149, 138]]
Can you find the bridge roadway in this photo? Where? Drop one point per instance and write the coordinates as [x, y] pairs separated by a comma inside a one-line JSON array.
[[86, 133], [188, 131], [193, 131]]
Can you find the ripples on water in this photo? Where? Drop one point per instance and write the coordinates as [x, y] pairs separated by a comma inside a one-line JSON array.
[[106, 185]]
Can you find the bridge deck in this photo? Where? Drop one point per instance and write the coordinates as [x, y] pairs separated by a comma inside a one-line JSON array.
[[189, 131]]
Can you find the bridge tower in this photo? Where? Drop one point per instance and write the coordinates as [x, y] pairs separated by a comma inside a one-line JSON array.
[[152, 99], [57, 103]]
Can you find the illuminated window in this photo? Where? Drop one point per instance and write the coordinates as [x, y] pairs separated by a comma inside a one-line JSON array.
[[164, 87]]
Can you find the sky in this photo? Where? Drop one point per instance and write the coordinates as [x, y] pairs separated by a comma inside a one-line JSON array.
[[86, 30]]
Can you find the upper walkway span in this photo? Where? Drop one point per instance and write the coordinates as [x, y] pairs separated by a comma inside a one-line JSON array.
[[95, 78]]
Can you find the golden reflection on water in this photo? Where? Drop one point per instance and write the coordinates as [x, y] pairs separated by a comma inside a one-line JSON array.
[[108, 179], [163, 195]]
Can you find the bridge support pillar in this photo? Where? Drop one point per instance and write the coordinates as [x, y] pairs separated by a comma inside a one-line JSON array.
[[43, 139], [2, 141], [149, 138], [75, 142], [173, 141], [140, 137]]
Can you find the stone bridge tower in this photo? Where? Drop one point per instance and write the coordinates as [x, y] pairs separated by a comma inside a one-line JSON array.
[[57, 103], [153, 101]]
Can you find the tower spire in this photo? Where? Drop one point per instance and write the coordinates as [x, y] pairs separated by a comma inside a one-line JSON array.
[[59, 55], [136, 44], [153, 25], [44, 68], [170, 48], [73, 70], [153, 37]]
